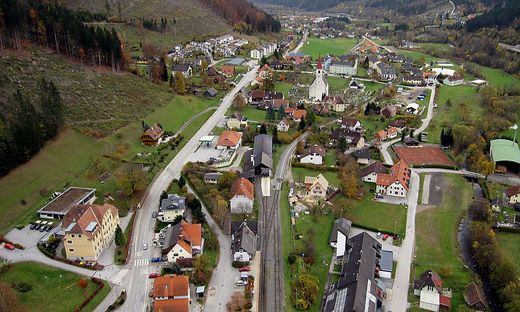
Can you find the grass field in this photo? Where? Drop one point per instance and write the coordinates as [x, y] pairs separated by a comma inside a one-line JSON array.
[[316, 47], [510, 244], [283, 87], [337, 83], [53, 290], [436, 237], [251, 113], [416, 55], [299, 175]]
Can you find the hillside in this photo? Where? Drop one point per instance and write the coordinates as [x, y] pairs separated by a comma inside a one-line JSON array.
[[310, 5], [96, 101]]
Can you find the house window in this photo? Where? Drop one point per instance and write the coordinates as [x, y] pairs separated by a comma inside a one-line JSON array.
[[72, 235], [69, 242], [71, 250], [79, 235], [175, 254]]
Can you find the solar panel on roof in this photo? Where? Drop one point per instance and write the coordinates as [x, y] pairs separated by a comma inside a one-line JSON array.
[[91, 226]]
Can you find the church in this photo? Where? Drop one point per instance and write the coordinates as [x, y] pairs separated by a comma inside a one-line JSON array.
[[319, 87]]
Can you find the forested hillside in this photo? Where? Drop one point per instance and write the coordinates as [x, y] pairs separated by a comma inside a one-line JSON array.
[[311, 5], [500, 16]]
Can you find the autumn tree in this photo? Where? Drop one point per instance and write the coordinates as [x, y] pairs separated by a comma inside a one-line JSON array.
[[130, 179], [349, 175], [226, 179], [201, 267], [179, 85], [83, 284], [220, 210], [239, 102], [237, 302]]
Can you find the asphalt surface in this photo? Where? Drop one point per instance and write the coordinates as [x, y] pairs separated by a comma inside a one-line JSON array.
[[136, 281]]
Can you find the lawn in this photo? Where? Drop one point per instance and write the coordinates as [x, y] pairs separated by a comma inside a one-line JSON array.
[[330, 157], [283, 87], [251, 113], [299, 175], [510, 243], [436, 237], [416, 55], [52, 289], [316, 47], [337, 83], [498, 77]]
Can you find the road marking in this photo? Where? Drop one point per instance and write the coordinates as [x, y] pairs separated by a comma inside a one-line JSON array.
[[141, 262]]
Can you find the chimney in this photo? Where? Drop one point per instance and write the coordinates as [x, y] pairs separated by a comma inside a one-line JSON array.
[[253, 159]]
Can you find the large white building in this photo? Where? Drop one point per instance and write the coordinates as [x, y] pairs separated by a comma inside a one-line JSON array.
[[395, 183], [319, 87], [346, 68], [265, 50]]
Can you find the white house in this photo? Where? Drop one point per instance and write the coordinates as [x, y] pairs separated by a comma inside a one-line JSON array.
[[244, 242], [395, 183], [431, 294], [229, 140], [171, 207], [256, 54], [369, 173], [283, 125], [453, 80], [316, 187], [319, 87], [242, 196], [513, 194], [182, 241], [313, 155], [339, 236]]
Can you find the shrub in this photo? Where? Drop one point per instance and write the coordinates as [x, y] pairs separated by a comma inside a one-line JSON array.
[[22, 287]]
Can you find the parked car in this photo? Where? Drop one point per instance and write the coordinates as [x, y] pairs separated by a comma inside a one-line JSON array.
[[145, 246], [156, 259], [48, 228], [244, 269], [385, 237], [9, 246], [154, 214], [33, 226], [43, 226], [154, 275], [241, 283]]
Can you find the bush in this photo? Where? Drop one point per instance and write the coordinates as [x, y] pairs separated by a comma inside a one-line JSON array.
[[239, 264], [291, 259], [22, 287]]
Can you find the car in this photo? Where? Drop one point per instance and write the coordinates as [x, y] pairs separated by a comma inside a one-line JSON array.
[[154, 275], [9, 246], [244, 269], [145, 246], [378, 236], [241, 283], [379, 196], [48, 228], [155, 259], [385, 237], [154, 214], [33, 226]]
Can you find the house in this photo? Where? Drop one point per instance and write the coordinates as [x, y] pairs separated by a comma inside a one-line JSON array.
[[396, 183], [371, 59], [475, 298], [171, 207], [61, 204], [399, 124], [276, 65], [362, 156], [513, 194], [228, 70], [212, 71], [152, 135], [339, 236], [396, 58], [184, 69], [283, 125], [296, 114], [319, 88], [236, 121], [182, 241], [344, 68], [321, 109], [316, 186], [389, 111], [335, 103], [89, 229], [355, 85], [414, 80], [369, 173], [412, 108], [357, 287], [429, 78], [243, 241], [229, 140], [351, 124], [211, 93], [409, 141], [171, 293], [392, 132], [259, 161], [277, 103], [432, 296], [313, 155], [453, 80], [212, 177], [242, 195], [385, 72], [381, 135], [354, 139]]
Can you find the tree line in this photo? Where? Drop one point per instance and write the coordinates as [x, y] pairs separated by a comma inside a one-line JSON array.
[[500, 16], [56, 27], [26, 124]]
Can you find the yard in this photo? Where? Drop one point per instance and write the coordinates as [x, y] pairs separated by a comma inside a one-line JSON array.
[[250, 112], [337, 83], [436, 237], [316, 47], [299, 175], [510, 243], [283, 87], [53, 290]]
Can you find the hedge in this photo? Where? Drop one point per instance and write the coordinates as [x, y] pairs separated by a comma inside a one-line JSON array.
[[89, 298], [315, 167], [438, 166], [96, 267], [129, 239], [16, 245], [507, 229]]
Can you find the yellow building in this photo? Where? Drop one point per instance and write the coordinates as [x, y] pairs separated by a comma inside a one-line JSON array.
[[89, 229]]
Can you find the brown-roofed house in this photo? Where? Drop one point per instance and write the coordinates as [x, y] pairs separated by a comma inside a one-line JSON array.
[[171, 292], [228, 70], [89, 229], [474, 297], [369, 173], [513, 194], [395, 183], [241, 196], [431, 294], [389, 111], [229, 140], [152, 135], [313, 155]]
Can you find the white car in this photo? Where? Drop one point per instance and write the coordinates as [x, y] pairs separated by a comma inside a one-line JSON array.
[[145, 246]]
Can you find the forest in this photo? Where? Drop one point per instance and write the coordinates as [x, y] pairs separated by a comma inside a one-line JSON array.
[[25, 124], [243, 16], [56, 27], [305, 4], [500, 16]]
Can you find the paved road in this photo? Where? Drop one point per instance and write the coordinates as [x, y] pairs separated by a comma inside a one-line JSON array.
[[136, 281]]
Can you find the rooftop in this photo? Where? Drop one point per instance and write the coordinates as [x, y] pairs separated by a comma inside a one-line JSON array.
[[504, 150], [72, 196]]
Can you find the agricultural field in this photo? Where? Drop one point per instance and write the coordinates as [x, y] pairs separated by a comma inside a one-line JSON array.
[[52, 290], [316, 47], [436, 237]]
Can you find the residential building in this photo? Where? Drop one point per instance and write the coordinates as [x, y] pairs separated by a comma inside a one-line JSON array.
[[243, 240], [259, 161], [316, 187], [453, 80], [513, 194], [335, 103], [392, 132], [296, 114], [171, 207], [236, 121], [432, 296], [152, 135], [185, 69], [385, 72], [357, 286], [229, 140], [313, 155], [396, 183], [171, 293], [351, 124], [182, 241], [399, 124], [61, 204], [319, 88], [389, 111], [339, 236], [210, 93], [363, 156], [89, 229], [354, 139], [228, 70], [242, 195], [212, 177], [369, 173], [381, 135], [283, 125], [344, 68], [475, 298]]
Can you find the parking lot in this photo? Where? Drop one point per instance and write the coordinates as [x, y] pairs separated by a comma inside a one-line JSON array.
[[27, 237], [408, 96]]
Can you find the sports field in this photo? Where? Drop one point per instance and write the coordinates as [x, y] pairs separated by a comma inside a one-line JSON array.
[[316, 47], [424, 155]]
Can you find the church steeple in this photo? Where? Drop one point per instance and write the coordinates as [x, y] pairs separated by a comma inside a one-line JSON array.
[[319, 68]]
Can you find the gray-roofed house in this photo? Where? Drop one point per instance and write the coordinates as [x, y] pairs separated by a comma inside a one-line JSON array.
[[171, 207], [243, 243], [369, 174], [212, 177], [363, 156], [339, 236], [184, 69], [353, 138], [347, 68], [211, 92], [259, 161], [356, 288]]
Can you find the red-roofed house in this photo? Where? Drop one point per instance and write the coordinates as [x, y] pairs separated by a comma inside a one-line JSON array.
[[432, 296], [241, 196], [182, 241], [396, 183], [152, 135], [381, 135], [392, 132], [229, 140], [513, 194], [171, 293], [228, 70], [454, 80]]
